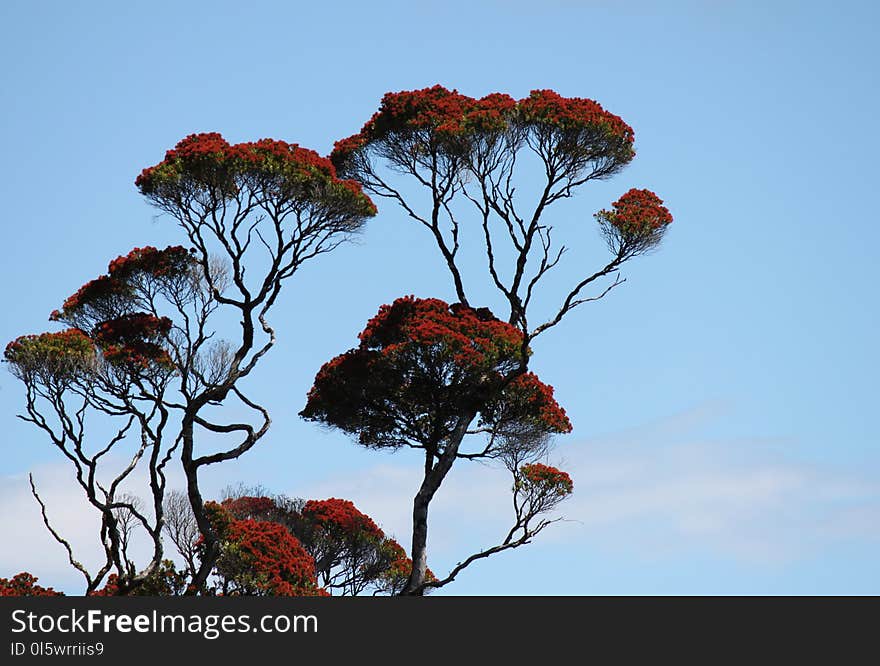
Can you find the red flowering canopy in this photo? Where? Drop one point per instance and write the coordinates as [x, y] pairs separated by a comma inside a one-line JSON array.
[[547, 479], [108, 306], [635, 223], [341, 517], [25, 585], [539, 488], [417, 126], [260, 557], [422, 363], [258, 508], [350, 552], [206, 164], [129, 277], [165, 581]]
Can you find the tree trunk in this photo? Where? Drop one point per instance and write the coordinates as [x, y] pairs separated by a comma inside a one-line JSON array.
[[434, 475]]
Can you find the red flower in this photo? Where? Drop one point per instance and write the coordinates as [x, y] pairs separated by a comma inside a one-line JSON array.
[[449, 121], [636, 222], [638, 212], [209, 161], [108, 292], [338, 515], [24, 585], [547, 478]]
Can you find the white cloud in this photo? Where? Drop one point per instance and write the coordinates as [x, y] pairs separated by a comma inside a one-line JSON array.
[[656, 491], [28, 545]]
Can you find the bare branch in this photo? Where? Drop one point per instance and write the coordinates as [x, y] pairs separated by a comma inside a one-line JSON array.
[[73, 561]]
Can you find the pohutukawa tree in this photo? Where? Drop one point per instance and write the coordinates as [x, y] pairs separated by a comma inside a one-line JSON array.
[[142, 348], [347, 553], [457, 147], [449, 160], [423, 373]]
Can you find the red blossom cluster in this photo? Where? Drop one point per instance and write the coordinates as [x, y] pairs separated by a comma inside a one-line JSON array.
[[260, 556], [547, 479], [131, 327], [248, 507], [547, 106], [474, 336], [271, 558], [446, 114], [147, 261], [342, 516], [450, 117], [208, 157], [138, 355], [102, 288], [173, 260], [350, 552], [638, 213], [25, 585], [538, 401], [129, 339]]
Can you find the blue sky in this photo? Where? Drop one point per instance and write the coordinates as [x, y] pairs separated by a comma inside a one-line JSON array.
[[723, 399]]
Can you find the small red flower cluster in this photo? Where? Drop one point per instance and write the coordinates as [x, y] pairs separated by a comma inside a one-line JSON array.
[[25, 585], [340, 515], [173, 260], [541, 402], [148, 261], [272, 555], [210, 155], [131, 327], [260, 555], [138, 355], [638, 213], [101, 288], [547, 478], [129, 340], [440, 110], [249, 507], [445, 113], [212, 146], [449, 115]]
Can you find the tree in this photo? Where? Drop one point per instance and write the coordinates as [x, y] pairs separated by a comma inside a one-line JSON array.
[[423, 372], [142, 348], [426, 381], [148, 347], [348, 553]]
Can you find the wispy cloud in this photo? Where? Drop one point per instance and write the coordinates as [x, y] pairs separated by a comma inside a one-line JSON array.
[[656, 491]]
